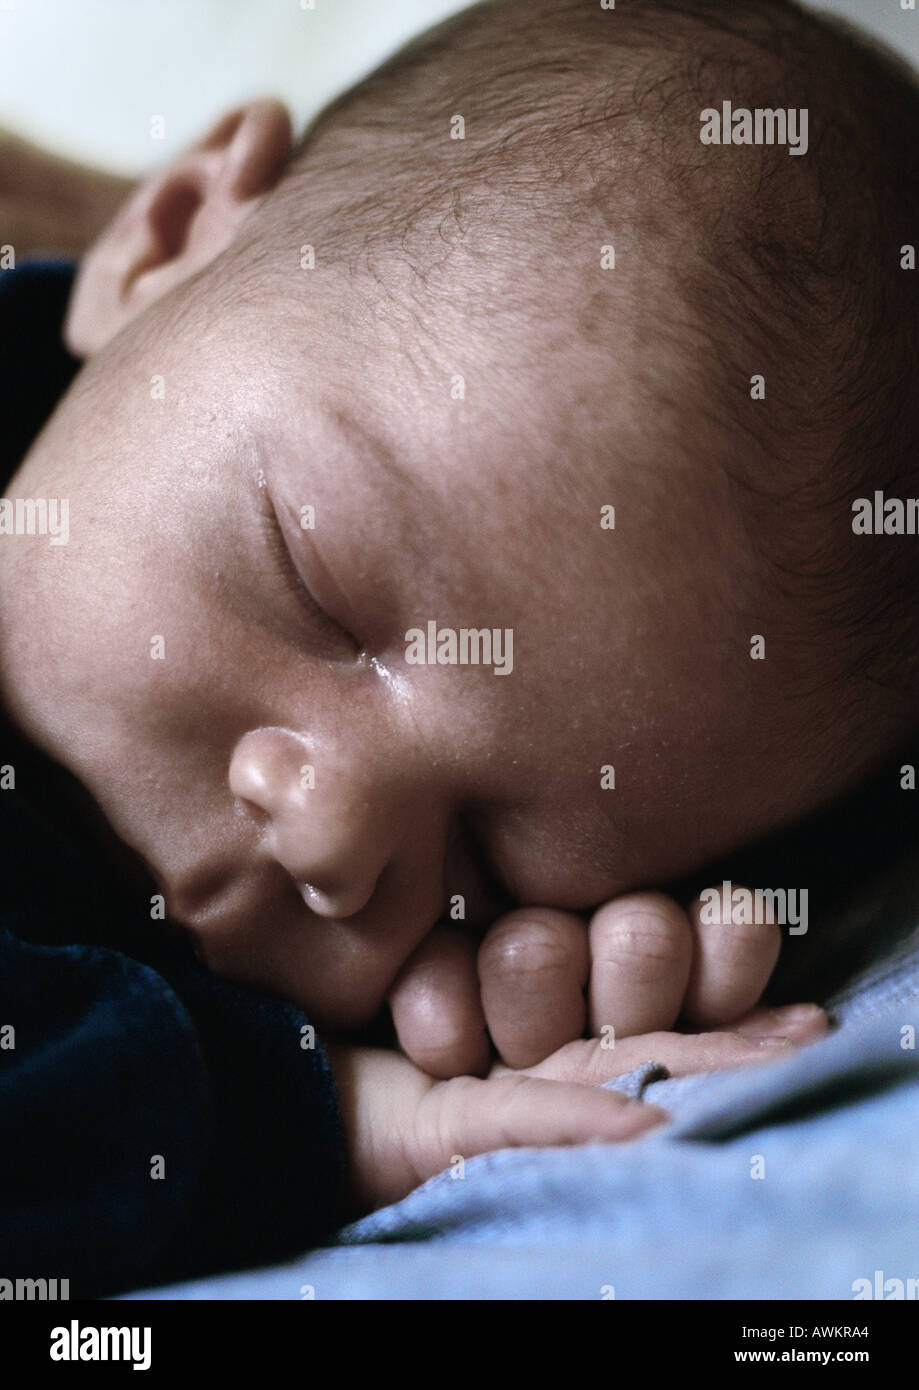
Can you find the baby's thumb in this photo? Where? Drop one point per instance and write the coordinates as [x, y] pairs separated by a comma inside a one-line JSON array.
[[461, 1118]]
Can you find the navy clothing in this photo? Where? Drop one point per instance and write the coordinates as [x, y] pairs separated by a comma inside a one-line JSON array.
[[35, 367], [155, 1122]]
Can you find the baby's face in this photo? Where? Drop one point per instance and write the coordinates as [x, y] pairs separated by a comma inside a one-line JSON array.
[[300, 790]]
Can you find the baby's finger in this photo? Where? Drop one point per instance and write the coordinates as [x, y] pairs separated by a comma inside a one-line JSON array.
[[800, 1022], [436, 1008], [590, 1062], [640, 957], [732, 964], [532, 970], [466, 1117]]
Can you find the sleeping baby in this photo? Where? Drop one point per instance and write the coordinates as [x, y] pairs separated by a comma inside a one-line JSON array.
[[460, 547]]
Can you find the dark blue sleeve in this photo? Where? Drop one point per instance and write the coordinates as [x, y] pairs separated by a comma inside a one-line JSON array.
[[152, 1129], [35, 367]]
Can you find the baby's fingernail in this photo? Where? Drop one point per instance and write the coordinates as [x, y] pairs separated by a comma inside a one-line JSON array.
[[797, 1013], [785, 1043]]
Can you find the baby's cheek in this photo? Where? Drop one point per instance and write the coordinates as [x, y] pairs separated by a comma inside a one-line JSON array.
[[557, 864]]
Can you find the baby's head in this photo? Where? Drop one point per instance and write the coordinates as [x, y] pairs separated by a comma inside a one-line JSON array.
[[480, 354]]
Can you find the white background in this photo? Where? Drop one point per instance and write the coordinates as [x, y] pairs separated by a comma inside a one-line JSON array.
[[85, 77]]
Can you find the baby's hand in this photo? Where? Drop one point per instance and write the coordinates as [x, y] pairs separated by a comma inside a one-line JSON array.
[[402, 1127], [544, 977], [640, 966]]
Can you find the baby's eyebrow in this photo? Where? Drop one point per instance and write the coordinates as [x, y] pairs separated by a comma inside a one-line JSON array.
[[413, 512], [363, 440]]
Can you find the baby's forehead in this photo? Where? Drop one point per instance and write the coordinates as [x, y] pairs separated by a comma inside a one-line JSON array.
[[446, 424]]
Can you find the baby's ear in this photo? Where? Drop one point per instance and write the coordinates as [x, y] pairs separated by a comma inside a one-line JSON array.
[[176, 222]]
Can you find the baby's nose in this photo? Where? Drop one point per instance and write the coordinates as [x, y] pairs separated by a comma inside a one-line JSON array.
[[321, 817]]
